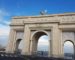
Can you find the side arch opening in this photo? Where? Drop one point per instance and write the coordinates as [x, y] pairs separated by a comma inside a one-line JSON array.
[[19, 46], [69, 49]]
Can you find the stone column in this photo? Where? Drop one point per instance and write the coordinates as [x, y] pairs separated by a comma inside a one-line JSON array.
[[35, 43], [62, 45], [26, 47], [11, 43], [55, 40], [74, 50], [33, 47], [49, 52]]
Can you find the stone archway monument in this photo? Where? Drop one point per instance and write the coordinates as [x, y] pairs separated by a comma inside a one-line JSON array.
[[35, 26]]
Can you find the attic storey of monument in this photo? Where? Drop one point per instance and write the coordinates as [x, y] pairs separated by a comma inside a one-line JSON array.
[[34, 26]]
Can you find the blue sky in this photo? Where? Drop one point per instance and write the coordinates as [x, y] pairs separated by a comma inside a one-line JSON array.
[[33, 7], [9, 8]]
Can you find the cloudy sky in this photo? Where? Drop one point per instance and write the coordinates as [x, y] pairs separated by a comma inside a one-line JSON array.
[[9, 8]]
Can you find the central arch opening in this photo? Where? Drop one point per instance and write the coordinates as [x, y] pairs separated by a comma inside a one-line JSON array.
[[43, 45], [40, 43]]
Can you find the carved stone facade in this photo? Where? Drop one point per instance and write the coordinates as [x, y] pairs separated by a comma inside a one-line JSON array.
[[35, 26]]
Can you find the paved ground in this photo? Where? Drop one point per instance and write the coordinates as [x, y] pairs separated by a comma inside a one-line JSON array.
[[4, 56]]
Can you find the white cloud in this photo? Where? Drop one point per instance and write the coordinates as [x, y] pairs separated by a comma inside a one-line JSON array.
[[43, 40], [4, 30], [43, 43], [3, 40], [4, 27], [3, 13], [4, 16], [4, 33], [68, 47]]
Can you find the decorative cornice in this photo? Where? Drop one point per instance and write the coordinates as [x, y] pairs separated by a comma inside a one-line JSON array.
[[43, 16]]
